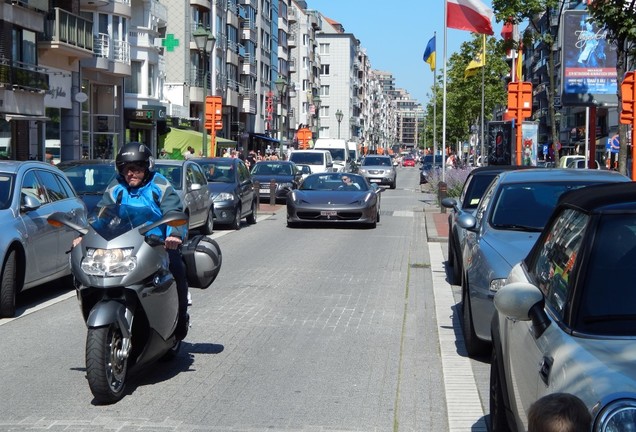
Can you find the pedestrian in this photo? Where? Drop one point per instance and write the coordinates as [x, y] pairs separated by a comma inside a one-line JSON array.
[[559, 412], [138, 185], [189, 152], [163, 154]]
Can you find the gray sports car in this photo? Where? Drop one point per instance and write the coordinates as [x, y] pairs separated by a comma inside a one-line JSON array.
[[334, 198]]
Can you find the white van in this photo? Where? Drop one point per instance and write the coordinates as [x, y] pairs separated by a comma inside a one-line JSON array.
[[339, 152], [318, 160], [354, 153]]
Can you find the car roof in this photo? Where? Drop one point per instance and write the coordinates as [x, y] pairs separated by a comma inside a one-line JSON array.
[[601, 197], [12, 166], [559, 174], [80, 162], [496, 168]]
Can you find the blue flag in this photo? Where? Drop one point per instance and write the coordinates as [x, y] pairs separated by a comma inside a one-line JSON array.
[[429, 53]]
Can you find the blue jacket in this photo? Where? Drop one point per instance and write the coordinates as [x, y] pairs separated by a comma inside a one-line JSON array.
[[156, 194]]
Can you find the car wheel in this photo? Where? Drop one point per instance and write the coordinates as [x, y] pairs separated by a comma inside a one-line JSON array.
[[208, 227], [8, 287], [251, 219], [451, 254], [474, 346], [457, 266], [498, 421], [236, 224]]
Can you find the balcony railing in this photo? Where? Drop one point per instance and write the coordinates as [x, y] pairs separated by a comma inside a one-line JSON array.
[[116, 50], [198, 78], [63, 26], [23, 76]]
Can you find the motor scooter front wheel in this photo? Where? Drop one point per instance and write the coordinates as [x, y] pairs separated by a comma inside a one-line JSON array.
[[106, 367]]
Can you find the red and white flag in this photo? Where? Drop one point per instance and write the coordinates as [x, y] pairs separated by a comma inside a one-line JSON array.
[[471, 15]]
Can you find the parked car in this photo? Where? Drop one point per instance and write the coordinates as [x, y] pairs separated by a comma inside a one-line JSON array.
[[378, 169], [564, 321], [232, 189], [330, 198], [474, 187], [408, 161], [89, 177], [500, 232], [190, 182], [286, 176], [32, 251], [581, 164], [304, 169], [429, 164]]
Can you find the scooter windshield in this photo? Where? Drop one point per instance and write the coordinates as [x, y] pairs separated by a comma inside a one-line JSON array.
[[114, 220]]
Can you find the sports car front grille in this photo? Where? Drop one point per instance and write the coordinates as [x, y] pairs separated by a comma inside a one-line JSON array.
[[315, 215]]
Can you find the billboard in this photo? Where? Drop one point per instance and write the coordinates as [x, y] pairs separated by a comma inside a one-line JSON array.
[[588, 62], [500, 142], [529, 137]]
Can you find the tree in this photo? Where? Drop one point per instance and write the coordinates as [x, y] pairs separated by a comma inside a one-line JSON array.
[[531, 11], [618, 17]]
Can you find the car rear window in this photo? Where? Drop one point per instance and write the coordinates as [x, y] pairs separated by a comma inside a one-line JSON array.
[[307, 158]]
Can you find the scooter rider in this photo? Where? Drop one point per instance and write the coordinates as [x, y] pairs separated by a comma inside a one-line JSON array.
[[138, 185]]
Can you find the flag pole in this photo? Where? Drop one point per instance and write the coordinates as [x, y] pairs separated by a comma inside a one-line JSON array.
[[444, 99], [435, 104], [483, 99]]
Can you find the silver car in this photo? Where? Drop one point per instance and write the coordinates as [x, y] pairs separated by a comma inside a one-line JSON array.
[[565, 321], [32, 251], [190, 182], [510, 215], [378, 169]]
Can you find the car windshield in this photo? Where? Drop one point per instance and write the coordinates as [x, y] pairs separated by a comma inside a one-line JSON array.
[[527, 206], [90, 179], [608, 304], [307, 158], [335, 182], [272, 168], [172, 173], [476, 188], [338, 154], [218, 171], [6, 190], [376, 161]]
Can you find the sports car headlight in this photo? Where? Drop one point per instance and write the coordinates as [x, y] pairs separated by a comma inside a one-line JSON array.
[[109, 262], [618, 416], [224, 196], [496, 284]]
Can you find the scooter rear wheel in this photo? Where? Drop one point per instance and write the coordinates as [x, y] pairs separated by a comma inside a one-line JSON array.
[[105, 367]]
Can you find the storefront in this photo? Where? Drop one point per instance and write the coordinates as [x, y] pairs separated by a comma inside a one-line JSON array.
[[145, 125]]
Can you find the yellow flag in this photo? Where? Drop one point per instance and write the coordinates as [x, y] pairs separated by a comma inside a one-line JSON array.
[[478, 62], [520, 64]]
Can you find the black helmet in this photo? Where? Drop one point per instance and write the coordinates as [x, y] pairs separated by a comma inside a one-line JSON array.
[[134, 152]]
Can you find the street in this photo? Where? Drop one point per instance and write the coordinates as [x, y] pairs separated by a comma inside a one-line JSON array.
[[305, 329]]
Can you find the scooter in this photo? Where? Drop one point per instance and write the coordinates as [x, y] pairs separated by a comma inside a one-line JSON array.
[[127, 295]]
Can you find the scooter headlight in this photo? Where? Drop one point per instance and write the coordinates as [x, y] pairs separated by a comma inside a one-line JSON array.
[[109, 262]]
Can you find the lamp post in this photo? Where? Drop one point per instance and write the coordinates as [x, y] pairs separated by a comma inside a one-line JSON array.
[[201, 38], [281, 86], [339, 116]]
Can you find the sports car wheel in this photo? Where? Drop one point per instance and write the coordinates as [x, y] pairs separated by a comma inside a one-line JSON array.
[[474, 346]]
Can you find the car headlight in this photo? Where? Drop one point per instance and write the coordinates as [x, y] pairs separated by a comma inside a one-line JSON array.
[[224, 196], [362, 171], [109, 262], [497, 284], [618, 416]]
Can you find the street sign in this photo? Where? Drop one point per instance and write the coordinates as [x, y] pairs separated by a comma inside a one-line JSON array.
[[628, 96]]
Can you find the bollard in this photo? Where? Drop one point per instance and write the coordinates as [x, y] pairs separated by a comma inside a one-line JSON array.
[[257, 195], [442, 192], [272, 192]]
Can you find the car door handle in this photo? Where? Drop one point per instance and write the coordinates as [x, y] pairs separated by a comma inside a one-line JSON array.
[[544, 369]]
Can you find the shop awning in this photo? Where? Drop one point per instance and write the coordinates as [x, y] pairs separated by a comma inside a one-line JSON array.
[[264, 138], [177, 141]]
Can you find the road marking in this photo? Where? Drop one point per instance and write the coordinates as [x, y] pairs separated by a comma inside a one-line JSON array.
[[22, 312], [463, 405]]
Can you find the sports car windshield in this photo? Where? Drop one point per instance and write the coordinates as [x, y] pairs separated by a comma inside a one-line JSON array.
[[340, 182], [527, 206]]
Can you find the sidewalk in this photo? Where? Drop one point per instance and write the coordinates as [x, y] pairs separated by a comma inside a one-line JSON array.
[[436, 221]]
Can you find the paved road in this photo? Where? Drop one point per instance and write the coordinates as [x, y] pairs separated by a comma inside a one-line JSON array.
[[310, 329]]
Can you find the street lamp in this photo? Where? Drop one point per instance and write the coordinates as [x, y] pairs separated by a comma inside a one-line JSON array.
[[201, 38], [339, 116], [281, 86]]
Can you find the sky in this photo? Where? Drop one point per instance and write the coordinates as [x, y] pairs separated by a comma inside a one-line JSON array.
[[395, 33]]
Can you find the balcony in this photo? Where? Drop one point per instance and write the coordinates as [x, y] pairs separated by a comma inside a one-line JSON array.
[[67, 34], [292, 40], [22, 76], [159, 13], [292, 16], [110, 55], [38, 5]]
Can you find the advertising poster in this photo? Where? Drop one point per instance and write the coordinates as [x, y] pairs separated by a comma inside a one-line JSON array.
[[589, 62], [500, 142], [529, 137]]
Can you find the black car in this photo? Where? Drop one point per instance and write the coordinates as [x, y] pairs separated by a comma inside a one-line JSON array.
[[232, 189], [429, 164], [285, 174], [89, 177]]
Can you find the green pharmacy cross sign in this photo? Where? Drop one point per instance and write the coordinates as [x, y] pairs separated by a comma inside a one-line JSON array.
[[170, 42]]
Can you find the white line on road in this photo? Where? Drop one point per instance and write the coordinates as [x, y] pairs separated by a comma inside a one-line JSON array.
[[463, 405]]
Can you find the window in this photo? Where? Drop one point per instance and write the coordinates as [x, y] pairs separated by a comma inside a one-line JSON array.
[[51, 184], [323, 48], [151, 79], [24, 46], [324, 69], [132, 83], [324, 90]]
